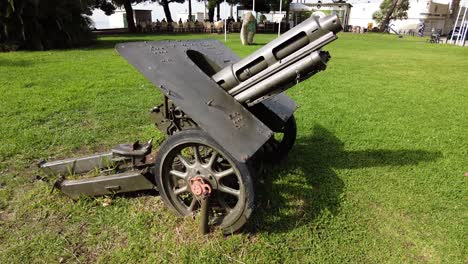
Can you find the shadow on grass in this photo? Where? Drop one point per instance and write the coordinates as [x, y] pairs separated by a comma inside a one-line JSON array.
[[305, 186], [17, 62], [258, 44]]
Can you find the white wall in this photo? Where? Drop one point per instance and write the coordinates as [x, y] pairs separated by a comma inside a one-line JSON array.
[[176, 8], [117, 20], [102, 21], [199, 16], [361, 12]]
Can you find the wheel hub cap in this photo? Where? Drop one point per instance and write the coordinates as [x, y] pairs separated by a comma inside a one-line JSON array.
[[199, 187]]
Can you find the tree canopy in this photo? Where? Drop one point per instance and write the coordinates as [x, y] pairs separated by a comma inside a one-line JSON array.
[[390, 10], [260, 5], [127, 5], [48, 24], [39, 25], [167, 10]]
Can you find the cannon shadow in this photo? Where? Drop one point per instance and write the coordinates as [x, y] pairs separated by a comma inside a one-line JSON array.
[[305, 186]]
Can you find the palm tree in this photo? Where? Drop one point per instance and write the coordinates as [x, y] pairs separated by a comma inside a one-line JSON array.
[[190, 10], [127, 4], [167, 10]]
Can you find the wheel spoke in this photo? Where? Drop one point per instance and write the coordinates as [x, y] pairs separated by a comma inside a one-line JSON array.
[[212, 160], [183, 160], [192, 204], [189, 159], [228, 190], [222, 174], [179, 174], [223, 203], [180, 190], [196, 154]]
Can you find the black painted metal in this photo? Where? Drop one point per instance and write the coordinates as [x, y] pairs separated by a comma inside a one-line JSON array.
[[196, 77], [168, 66], [102, 185]]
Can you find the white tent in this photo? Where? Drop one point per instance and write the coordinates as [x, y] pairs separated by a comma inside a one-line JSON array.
[[298, 7], [460, 39]]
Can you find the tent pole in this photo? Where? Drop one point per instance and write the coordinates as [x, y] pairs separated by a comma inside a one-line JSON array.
[[455, 24], [225, 22], [465, 22], [460, 31], [279, 26], [204, 11]]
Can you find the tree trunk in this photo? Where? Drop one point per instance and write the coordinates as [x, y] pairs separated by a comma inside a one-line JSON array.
[[211, 14], [3, 31], [190, 10], [167, 11], [129, 15], [287, 11], [388, 16], [218, 8]]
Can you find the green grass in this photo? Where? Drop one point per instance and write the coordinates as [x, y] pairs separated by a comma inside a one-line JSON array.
[[376, 175]]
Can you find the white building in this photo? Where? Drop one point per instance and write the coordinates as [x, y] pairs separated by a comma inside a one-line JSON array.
[[198, 16], [116, 20], [119, 18], [437, 14]]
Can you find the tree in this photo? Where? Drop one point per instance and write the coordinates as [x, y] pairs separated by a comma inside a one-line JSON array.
[[167, 11], [39, 25], [231, 4], [190, 10], [211, 9], [260, 6], [389, 10], [274, 5], [127, 5], [212, 4]]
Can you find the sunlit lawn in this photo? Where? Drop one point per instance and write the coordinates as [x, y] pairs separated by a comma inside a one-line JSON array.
[[376, 175]]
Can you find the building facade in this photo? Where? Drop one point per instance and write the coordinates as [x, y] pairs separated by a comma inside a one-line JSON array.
[[439, 15], [435, 14]]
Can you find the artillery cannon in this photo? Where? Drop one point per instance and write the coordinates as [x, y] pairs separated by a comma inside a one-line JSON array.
[[220, 115]]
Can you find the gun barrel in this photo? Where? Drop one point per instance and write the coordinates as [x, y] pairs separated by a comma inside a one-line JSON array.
[[315, 62], [286, 50], [284, 63]]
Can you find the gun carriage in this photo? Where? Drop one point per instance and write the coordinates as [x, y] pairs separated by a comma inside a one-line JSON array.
[[221, 116]]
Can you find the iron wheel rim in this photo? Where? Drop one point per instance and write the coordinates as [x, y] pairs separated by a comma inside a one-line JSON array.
[[191, 159]]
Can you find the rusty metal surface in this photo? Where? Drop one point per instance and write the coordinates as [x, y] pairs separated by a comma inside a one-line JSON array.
[[168, 66], [102, 185], [78, 165], [122, 153]]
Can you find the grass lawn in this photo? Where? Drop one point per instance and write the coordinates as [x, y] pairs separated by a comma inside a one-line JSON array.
[[376, 175]]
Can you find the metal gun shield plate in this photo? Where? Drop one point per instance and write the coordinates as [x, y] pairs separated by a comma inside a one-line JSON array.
[[168, 65]]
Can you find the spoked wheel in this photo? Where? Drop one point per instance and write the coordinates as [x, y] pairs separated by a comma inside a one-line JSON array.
[[192, 155], [279, 145]]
